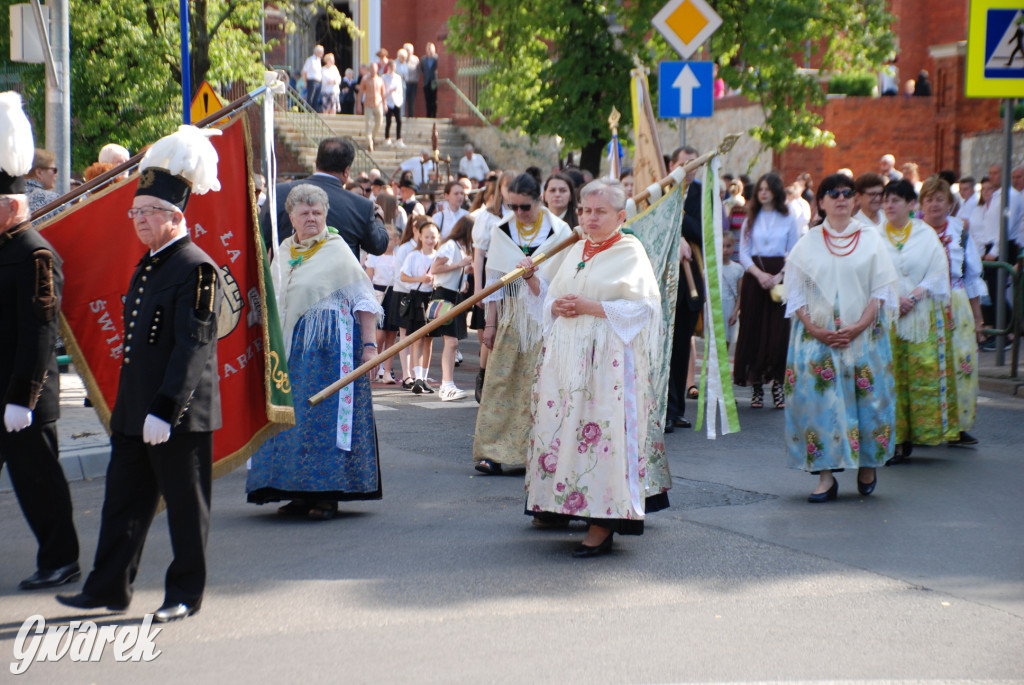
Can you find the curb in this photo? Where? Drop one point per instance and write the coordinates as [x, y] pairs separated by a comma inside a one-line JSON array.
[[82, 464]]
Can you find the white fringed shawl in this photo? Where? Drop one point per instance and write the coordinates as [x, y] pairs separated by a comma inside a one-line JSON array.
[[921, 263]]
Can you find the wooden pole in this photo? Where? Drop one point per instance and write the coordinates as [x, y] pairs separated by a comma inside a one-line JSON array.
[[458, 309]]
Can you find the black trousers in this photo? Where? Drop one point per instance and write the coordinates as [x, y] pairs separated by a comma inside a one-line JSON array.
[[679, 364], [430, 97], [395, 112], [138, 475], [32, 458]]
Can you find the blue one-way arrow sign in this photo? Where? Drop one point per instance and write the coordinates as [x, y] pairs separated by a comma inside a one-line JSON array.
[[685, 89]]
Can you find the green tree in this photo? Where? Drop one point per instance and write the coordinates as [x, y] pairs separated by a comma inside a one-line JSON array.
[[126, 64], [557, 67]]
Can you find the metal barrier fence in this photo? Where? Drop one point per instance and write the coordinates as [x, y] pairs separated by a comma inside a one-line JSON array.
[[1015, 325], [313, 128]]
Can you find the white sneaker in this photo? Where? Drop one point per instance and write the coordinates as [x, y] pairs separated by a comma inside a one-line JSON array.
[[458, 356], [399, 143], [451, 393], [387, 142]]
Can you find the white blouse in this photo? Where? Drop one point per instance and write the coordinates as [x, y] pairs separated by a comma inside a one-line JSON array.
[[417, 264], [772, 235], [383, 268], [450, 279], [446, 218], [401, 252]]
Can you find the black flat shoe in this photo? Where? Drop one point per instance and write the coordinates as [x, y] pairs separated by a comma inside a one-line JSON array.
[[670, 426], [586, 551], [174, 612], [965, 440], [488, 467], [86, 601], [901, 454], [44, 578], [682, 422], [867, 488], [827, 496]]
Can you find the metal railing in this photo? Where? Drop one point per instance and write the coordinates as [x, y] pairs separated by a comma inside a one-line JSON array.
[[1015, 326], [503, 137], [311, 126]]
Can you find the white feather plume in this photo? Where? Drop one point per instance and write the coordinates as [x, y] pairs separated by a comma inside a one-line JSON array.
[[188, 153], [17, 148]]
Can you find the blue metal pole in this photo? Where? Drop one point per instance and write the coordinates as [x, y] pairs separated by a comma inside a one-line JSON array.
[[186, 67]]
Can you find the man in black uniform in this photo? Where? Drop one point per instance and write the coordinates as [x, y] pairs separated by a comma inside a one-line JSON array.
[[358, 220], [168, 400], [30, 290], [688, 310]]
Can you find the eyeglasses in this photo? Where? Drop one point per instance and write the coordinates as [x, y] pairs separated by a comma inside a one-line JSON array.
[[873, 193], [520, 208], [146, 211], [50, 168], [836, 193]]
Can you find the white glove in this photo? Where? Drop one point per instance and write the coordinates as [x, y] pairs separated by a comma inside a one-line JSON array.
[[155, 431], [17, 417]]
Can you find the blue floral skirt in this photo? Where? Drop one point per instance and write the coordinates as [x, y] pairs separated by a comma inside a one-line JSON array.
[[304, 461], [840, 404]]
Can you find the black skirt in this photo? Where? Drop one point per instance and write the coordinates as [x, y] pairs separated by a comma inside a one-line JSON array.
[[389, 318], [417, 317], [456, 328], [764, 330]]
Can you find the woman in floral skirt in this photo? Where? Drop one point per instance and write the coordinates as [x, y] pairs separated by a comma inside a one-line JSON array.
[[592, 399], [838, 385]]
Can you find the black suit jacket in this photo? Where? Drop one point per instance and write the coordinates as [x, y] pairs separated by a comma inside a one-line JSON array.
[[169, 368], [30, 289], [351, 214]]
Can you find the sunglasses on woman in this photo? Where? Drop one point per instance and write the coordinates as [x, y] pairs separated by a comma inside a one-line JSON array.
[[520, 208], [836, 193]]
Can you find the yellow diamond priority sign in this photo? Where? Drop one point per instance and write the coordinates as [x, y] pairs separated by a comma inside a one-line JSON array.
[[686, 24]]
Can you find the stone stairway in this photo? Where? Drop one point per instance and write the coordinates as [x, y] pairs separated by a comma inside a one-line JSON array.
[[416, 134]]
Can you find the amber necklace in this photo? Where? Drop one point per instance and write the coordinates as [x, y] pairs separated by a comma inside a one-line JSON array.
[[527, 233], [898, 236], [592, 249], [843, 245]]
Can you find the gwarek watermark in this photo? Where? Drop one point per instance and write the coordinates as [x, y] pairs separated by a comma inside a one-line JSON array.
[[82, 641]]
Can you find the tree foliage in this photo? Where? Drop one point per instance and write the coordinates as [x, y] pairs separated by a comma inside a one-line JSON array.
[[557, 69], [126, 64]]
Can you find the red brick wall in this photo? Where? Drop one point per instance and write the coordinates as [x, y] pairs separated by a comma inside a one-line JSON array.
[[925, 130], [420, 22], [920, 24]]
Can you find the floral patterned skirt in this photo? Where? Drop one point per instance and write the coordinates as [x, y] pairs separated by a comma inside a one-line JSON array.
[[965, 358], [585, 456], [926, 406], [304, 461], [839, 403], [503, 420]]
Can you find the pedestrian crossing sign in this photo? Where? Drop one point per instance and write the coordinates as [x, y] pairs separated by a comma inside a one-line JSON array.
[[995, 49]]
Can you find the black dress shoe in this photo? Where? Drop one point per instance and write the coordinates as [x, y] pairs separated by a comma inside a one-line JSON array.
[[682, 422], [827, 496], [44, 578], [174, 612], [670, 427], [867, 488], [586, 551], [87, 601]]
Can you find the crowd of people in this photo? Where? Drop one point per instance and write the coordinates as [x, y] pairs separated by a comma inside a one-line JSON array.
[[381, 91], [861, 303]]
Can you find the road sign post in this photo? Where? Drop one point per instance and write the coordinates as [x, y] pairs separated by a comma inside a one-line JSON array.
[[685, 89]]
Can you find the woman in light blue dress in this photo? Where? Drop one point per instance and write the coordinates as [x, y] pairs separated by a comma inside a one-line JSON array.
[[839, 385]]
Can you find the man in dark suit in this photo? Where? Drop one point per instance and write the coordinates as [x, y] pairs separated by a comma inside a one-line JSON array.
[[357, 219], [688, 310], [167, 407], [428, 70], [30, 291]]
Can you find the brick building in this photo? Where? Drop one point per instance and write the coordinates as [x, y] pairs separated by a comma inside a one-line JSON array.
[[924, 130]]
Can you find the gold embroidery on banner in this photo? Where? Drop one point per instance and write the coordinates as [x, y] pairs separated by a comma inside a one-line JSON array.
[[279, 377]]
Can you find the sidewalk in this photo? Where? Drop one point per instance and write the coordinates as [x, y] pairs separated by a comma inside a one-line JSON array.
[[85, 447]]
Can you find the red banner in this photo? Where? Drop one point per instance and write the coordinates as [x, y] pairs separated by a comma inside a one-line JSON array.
[[97, 242]]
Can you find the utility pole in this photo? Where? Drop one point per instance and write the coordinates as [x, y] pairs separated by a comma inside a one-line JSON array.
[[56, 40]]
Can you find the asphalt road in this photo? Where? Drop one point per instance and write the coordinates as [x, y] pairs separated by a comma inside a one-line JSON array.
[[445, 581]]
